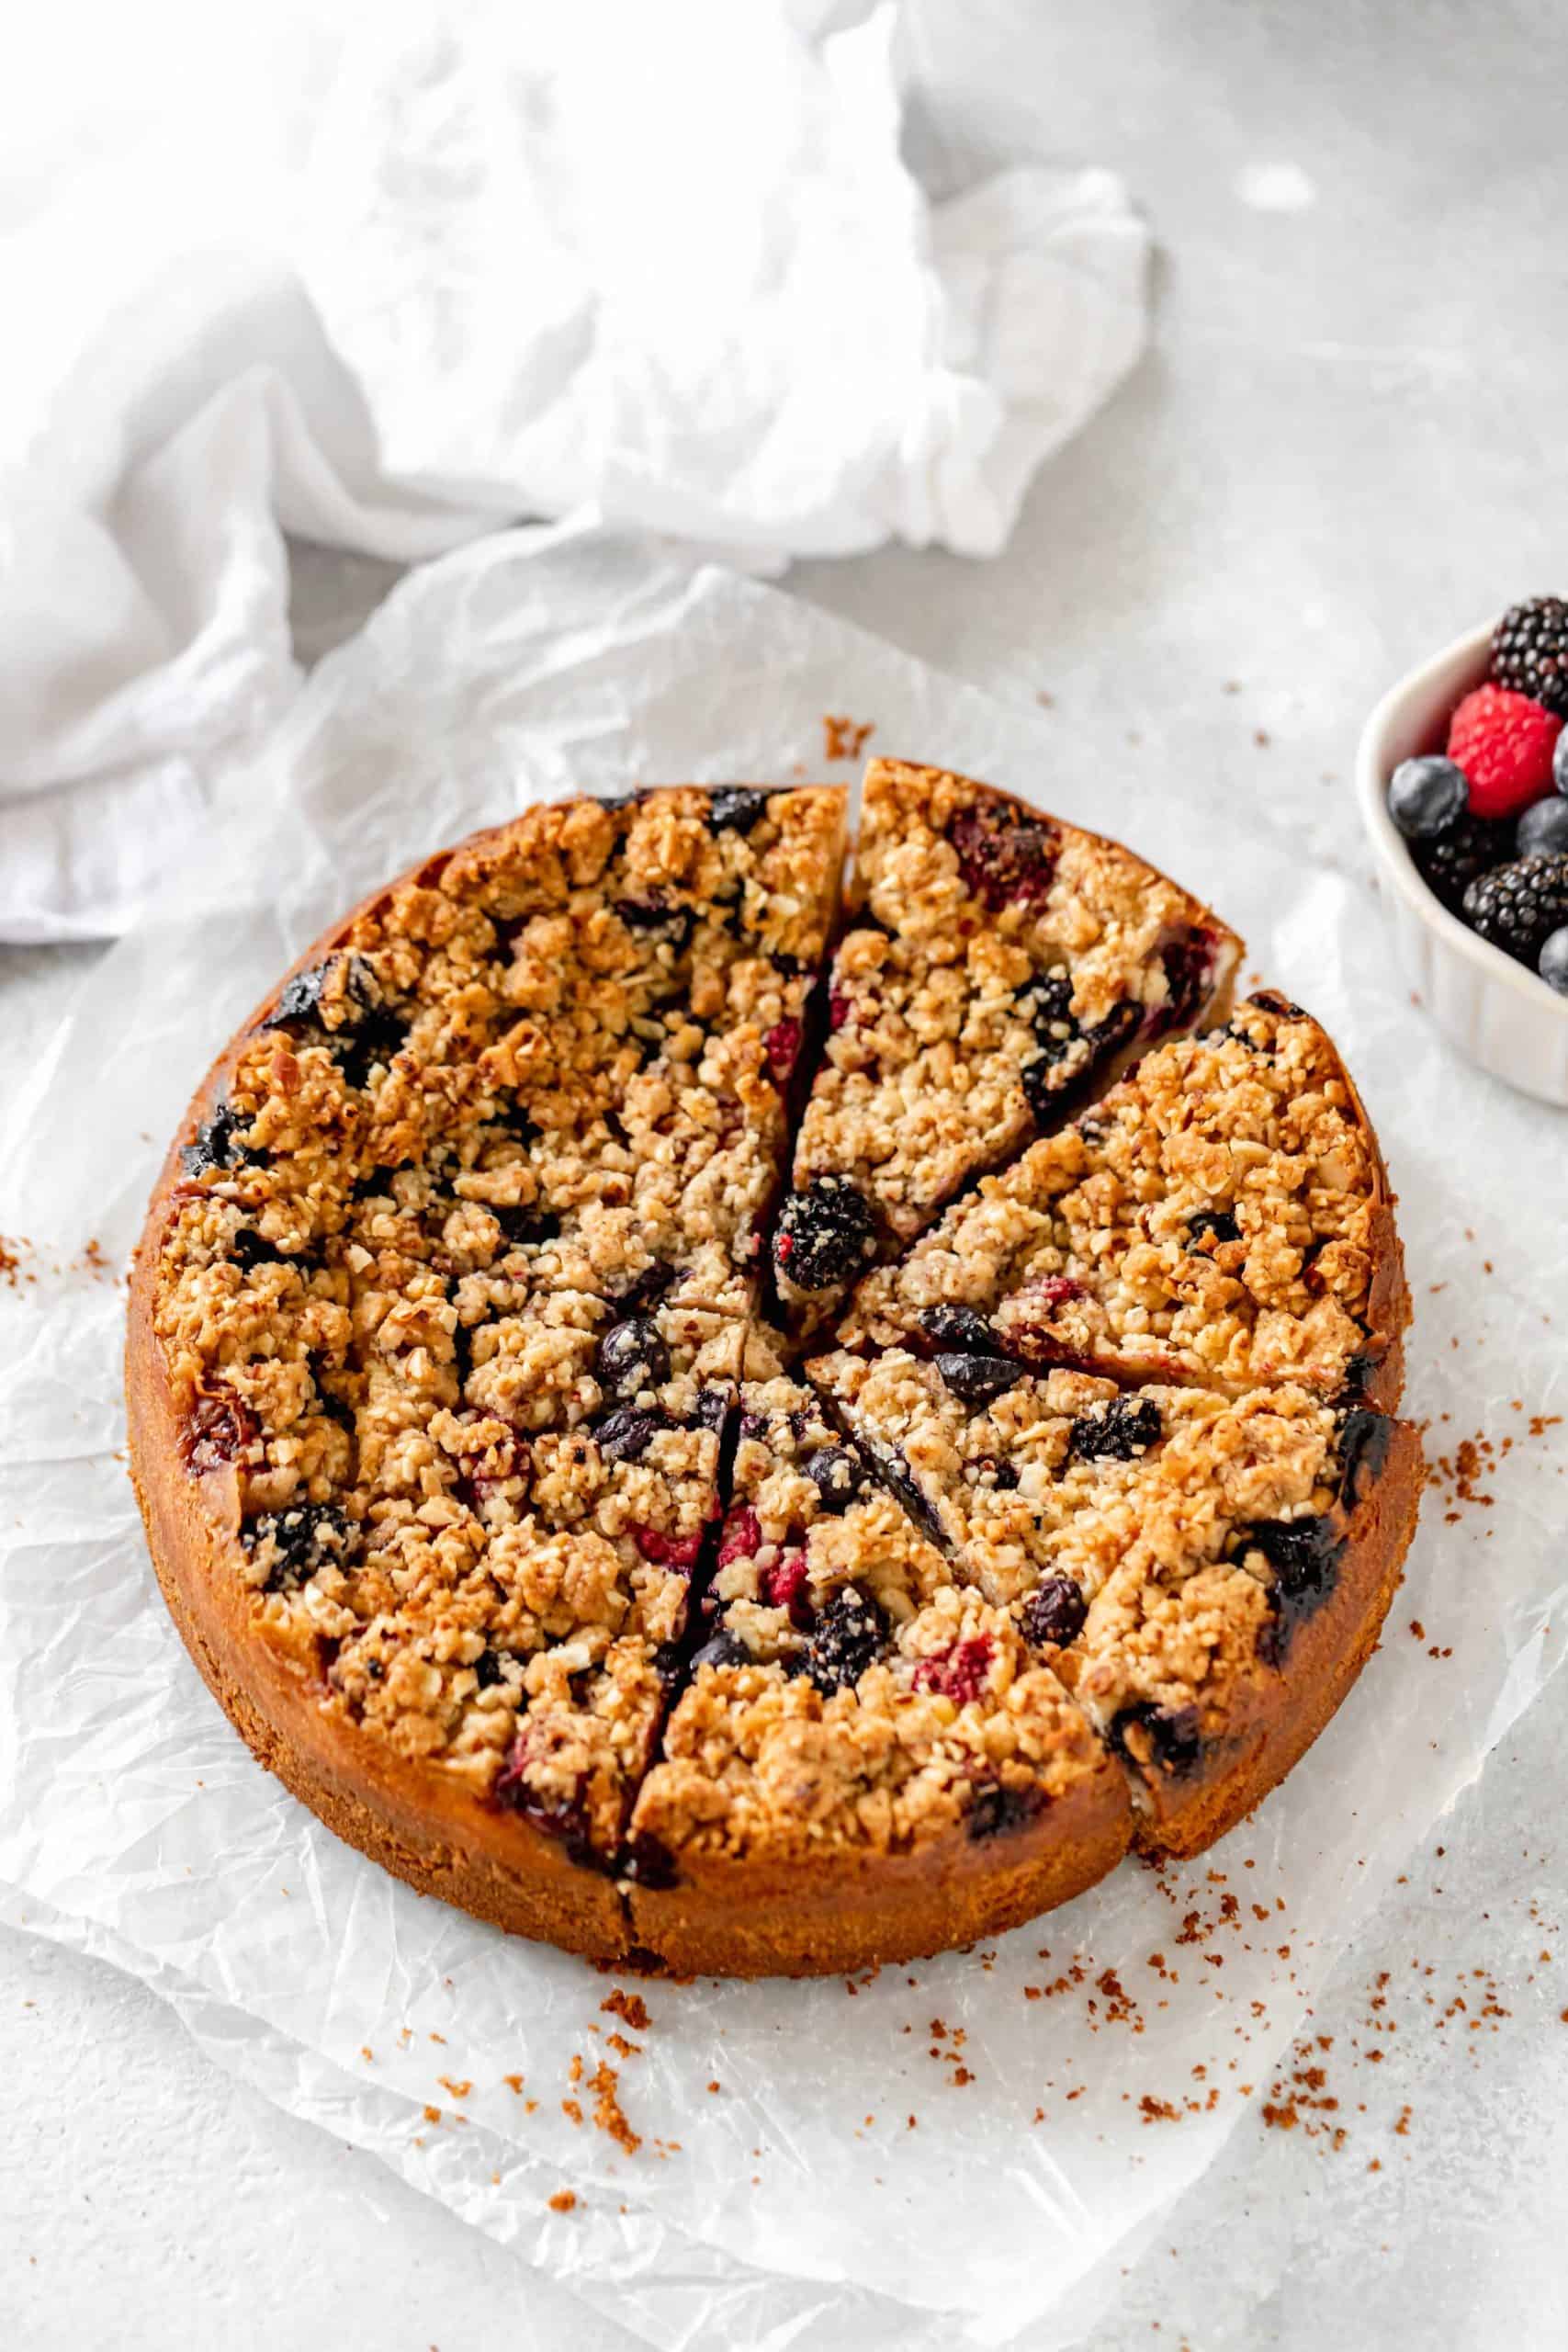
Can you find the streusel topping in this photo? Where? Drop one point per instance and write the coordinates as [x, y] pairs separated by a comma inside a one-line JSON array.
[[1002, 965], [1211, 1220]]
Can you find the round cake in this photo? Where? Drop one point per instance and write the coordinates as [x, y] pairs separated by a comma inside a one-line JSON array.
[[756, 1434]]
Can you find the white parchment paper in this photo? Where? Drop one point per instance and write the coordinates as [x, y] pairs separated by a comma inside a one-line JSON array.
[[959, 2150]]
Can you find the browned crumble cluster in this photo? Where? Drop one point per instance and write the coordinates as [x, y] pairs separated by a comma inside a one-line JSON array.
[[460, 1294]]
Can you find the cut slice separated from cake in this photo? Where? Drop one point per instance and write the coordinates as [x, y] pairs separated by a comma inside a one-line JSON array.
[[1221, 1215], [862, 1736], [999, 967], [1173, 1552]]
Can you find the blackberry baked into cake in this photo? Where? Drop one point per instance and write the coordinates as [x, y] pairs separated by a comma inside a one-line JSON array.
[[694, 1424]]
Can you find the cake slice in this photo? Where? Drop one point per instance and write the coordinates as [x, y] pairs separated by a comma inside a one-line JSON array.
[[1205, 1573], [1221, 1217], [869, 1757], [999, 967]]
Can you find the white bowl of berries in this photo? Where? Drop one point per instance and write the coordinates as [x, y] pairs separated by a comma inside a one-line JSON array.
[[1463, 777]]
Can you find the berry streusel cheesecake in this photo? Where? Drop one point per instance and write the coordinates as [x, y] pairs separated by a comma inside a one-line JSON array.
[[519, 1545]]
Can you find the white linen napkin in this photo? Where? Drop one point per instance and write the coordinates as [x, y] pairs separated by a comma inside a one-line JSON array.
[[391, 289]]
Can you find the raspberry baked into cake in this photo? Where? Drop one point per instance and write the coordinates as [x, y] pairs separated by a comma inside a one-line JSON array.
[[702, 1424]]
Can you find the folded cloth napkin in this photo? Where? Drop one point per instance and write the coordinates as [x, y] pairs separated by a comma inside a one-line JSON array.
[[665, 269]]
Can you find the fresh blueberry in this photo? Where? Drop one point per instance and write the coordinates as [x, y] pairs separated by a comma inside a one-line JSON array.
[[1425, 796], [526, 1228], [996, 1809], [1554, 960], [1171, 1736], [303, 1538], [724, 1649], [977, 1379], [626, 1434], [837, 1477], [735, 808], [1543, 828], [958, 1327], [1054, 1612], [1559, 761], [1219, 1223], [632, 1357], [1118, 1431], [217, 1144]]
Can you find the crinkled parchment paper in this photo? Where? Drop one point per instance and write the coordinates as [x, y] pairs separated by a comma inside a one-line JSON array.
[[948, 2153]]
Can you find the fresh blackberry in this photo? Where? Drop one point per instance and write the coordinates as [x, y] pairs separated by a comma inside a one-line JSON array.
[[1451, 862], [1518, 906], [1529, 651], [1115, 1432], [849, 1636], [826, 1236]]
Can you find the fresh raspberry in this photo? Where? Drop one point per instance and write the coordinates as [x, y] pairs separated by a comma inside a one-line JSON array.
[[783, 1585], [781, 1046], [742, 1536], [1504, 742], [679, 1551], [959, 1671]]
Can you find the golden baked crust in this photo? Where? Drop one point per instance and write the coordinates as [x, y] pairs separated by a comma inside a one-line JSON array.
[[511, 1542]]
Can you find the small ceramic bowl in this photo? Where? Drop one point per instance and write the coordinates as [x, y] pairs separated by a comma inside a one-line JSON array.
[[1493, 1009]]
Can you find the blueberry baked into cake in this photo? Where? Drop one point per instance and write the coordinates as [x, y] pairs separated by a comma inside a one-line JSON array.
[[699, 1423]]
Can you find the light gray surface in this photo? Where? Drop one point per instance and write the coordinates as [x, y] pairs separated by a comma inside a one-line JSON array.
[[1341, 453]]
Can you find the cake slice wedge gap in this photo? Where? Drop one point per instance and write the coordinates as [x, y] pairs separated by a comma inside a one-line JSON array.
[[869, 1762], [1222, 1216], [1000, 966], [1205, 1573]]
